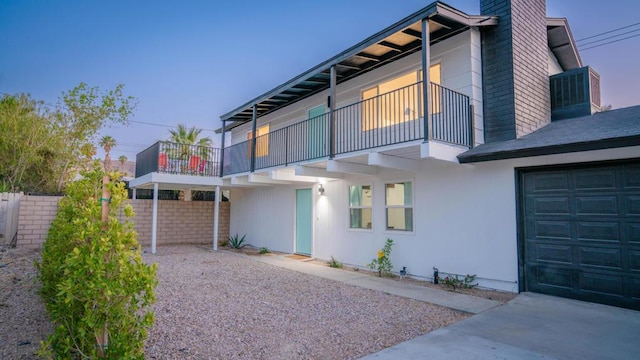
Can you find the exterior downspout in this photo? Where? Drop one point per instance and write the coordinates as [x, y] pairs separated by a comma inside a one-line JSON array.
[[426, 82], [221, 174], [254, 121], [332, 107]]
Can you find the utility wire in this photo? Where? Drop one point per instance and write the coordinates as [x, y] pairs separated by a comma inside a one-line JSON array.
[[609, 37], [131, 121], [610, 42], [607, 32], [163, 125]]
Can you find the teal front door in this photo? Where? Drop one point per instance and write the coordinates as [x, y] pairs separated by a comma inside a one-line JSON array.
[[304, 218], [317, 132]]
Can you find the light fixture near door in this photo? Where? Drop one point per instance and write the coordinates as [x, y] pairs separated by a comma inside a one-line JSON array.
[[320, 190]]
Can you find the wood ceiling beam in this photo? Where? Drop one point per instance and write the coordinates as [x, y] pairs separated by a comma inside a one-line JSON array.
[[391, 46]]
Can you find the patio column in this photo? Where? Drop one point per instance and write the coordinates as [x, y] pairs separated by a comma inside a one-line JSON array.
[[133, 195], [426, 82], [254, 121], [332, 107], [216, 216], [221, 162], [154, 218]]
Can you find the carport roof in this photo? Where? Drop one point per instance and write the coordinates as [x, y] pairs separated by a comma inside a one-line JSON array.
[[604, 130]]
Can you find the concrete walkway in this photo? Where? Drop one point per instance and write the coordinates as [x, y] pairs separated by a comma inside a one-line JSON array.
[[456, 301], [531, 326]]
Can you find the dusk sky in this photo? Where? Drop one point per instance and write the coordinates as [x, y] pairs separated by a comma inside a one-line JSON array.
[[192, 61]]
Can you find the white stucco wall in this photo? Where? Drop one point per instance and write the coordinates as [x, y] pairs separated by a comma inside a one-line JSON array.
[[461, 68], [464, 217]]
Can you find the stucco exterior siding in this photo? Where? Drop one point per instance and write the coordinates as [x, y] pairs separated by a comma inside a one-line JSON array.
[[464, 217]]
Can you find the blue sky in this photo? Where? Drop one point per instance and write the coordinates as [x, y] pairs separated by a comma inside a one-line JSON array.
[[192, 61]]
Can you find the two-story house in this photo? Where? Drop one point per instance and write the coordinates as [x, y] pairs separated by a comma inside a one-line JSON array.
[[472, 141]]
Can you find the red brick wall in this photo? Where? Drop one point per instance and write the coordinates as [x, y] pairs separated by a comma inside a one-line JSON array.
[[179, 222]]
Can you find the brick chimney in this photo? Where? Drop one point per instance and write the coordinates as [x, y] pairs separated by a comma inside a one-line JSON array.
[[514, 65]]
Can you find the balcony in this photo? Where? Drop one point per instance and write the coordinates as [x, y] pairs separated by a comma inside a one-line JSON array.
[[392, 118], [388, 119], [179, 159]]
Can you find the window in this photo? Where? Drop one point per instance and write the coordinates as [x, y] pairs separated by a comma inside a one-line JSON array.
[[397, 101], [399, 206], [262, 141], [360, 214]]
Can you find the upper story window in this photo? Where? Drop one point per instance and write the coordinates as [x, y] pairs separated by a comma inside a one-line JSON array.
[[262, 141], [397, 100], [399, 206], [360, 200]]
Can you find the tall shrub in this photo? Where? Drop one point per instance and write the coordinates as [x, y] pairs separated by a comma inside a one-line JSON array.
[[94, 282]]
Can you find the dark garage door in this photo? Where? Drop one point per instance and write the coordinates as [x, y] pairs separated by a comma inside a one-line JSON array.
[[580, 233]]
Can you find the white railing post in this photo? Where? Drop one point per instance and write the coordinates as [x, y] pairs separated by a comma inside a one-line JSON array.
[[154, 218], [216, 215]]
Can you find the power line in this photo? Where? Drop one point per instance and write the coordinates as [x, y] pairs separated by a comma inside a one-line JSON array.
[[610, 37], [163, 125], [131, 121], [610, 42], [607, 32]]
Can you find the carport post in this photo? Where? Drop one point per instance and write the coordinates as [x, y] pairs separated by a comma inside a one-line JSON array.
[[133, 196], [216, 214], [154, 218]]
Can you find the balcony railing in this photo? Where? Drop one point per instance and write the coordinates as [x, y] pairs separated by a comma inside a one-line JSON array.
[[391, 118], [173, 158]]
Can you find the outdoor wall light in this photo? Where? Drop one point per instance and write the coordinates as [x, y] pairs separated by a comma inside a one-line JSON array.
[[320, 190]]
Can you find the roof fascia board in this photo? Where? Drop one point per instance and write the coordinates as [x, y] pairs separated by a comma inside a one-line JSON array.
[[429, 11], [564, 23], [552, 150]]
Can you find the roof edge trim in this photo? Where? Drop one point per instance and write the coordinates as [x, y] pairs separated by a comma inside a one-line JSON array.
[[429, 11], [553, 149]]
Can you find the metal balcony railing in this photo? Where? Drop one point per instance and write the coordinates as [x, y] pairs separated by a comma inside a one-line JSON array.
[[173, 158], [391, 118]]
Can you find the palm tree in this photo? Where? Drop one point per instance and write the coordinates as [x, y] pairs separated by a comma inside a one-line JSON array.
[[184, 136], [88, 151], [123, 160], [107, 142]]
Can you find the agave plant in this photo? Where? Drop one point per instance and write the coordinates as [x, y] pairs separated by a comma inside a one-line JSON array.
[[236, 242]]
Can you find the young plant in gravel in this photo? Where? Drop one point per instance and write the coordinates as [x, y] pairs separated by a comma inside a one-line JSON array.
[[236, 242], [454, 283], [96, 288], [334, 263], [264, 250], [382, 263]]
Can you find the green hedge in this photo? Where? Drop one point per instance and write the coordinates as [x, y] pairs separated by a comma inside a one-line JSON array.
[[93, 278]]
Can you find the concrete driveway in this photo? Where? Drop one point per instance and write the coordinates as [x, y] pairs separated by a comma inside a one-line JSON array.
[[531, 326]]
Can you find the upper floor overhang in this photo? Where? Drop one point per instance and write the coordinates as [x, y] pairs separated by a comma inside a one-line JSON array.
[[390, 44]]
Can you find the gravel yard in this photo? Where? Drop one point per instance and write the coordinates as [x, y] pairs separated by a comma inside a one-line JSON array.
[[226, 306], [23, 319]]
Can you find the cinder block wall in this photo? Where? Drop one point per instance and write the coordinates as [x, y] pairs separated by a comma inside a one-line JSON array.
[[179, 222], [36, 215]]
